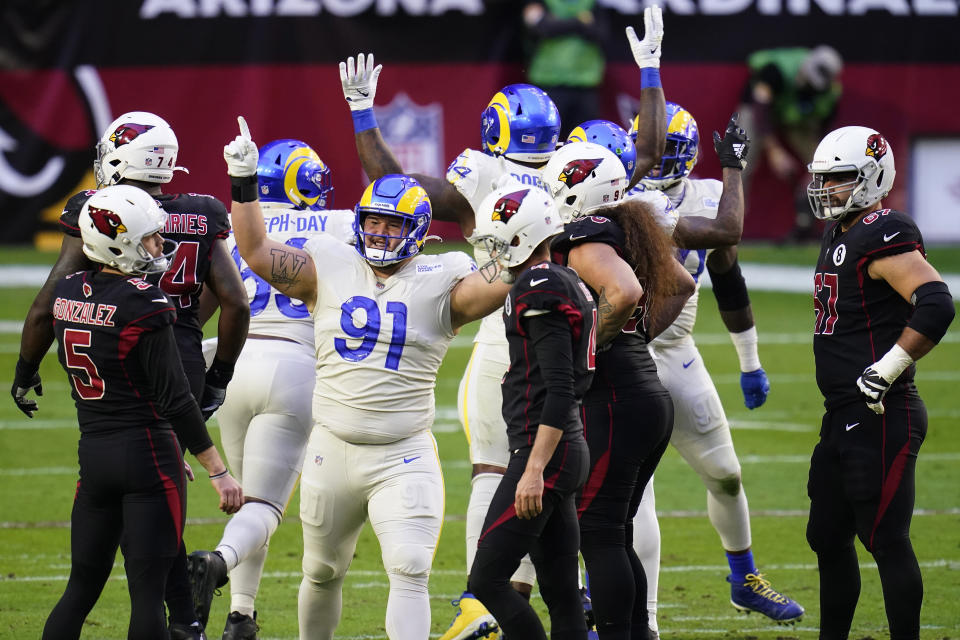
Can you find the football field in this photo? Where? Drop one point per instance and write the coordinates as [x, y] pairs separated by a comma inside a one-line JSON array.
[[38, 472]]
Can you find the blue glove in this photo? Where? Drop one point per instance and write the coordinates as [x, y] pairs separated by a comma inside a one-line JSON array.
[[755, 387]]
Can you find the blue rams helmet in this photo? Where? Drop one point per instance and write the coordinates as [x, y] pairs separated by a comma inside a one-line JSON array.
[[610, 135], [680, 154], [522, 123], [400, 197], [289, 171]]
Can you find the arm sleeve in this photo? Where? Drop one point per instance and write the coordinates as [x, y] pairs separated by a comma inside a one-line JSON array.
[[158, 355], [551, 340]]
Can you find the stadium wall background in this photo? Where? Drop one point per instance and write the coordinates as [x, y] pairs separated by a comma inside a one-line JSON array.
[[67, 69]]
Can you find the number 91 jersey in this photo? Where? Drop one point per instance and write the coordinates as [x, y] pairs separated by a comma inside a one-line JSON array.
[[379, 342], [271, 312], [196, 222], [857, 318]]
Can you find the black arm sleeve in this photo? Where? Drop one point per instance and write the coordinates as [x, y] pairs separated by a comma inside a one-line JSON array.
[[934, 310], [158, 355], [729, 288], [551, 340]]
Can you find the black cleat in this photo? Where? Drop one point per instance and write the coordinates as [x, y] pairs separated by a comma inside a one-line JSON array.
[[180, 631], [241, 627], [208, 572]]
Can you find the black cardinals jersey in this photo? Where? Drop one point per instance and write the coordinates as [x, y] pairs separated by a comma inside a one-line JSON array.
[[99, 319], [857, 319], [196, 222], [542, 384], [625, 362]]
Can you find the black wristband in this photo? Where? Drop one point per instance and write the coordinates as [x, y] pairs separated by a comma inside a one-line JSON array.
[[219, 374], [729, 288], [25, 371], [219, 475], [243, 189], [933, 311]]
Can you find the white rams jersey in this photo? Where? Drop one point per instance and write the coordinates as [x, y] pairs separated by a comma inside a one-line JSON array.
[[691, 198], [379, 344], [271, 312], [663, 210], [476, 174]]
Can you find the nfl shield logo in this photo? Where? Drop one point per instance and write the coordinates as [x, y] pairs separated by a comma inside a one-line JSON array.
[[414, 134]]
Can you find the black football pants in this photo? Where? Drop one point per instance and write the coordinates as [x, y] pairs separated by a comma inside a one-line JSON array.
[[129, 496], [862, 483], [552, 539]]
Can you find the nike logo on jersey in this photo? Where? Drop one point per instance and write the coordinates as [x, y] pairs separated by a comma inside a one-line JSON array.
[[575, 238], [851, 426], [687, 364], [409, 460], [888, 238], [534, 283], [159, 300]]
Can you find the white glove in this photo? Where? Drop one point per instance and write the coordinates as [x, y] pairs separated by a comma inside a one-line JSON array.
[[241, 154], [647, 51], [876, 379], [360, 84]]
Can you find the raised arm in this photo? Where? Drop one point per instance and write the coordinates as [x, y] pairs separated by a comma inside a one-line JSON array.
[[652, 120], [699, 232], [473, 298], [618, 291], [359, 83], [287, 268], [37, 335]]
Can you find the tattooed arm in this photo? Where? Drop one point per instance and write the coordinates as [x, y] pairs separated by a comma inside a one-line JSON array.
[[287, 268], [618, 290]]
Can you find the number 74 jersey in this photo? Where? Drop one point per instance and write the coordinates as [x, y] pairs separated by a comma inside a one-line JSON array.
[[856, 318], [379, 343]]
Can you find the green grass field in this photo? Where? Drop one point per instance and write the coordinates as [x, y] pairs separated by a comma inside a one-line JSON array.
[[38, 468]]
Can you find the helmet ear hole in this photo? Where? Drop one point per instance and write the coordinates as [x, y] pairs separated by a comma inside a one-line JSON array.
[[571, 199], [880, 178], [116, 251]]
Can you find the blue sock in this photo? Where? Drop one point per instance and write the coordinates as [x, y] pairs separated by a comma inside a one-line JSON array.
[[740, 565]]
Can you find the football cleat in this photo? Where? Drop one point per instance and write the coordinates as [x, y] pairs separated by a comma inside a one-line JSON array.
[[472, 621], [207, 572], [180, 631], [756, 594], [240, 627]]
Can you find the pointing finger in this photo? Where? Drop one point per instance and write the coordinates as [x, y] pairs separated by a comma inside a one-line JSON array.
[[244, 129]]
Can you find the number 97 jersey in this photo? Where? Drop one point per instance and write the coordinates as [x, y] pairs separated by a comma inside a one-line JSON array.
[[271, 312]]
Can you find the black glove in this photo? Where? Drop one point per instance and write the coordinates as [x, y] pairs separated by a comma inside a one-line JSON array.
[[732, 149], [26, 378], [215, 387], [873, 387]]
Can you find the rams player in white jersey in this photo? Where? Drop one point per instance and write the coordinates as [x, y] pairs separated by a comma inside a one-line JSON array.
[[266, 419], [383, 315], [519, 130], [707, 232]]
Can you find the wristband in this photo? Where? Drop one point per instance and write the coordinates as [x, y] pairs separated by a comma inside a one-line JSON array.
[[25, 371], [220, 475], [745, 342], [244, 188], [219, 374], [893, 363], [363, 120], [650, 78]]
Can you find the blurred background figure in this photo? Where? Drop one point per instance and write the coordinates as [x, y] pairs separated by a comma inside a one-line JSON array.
[[567, 59], [787, 106]]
